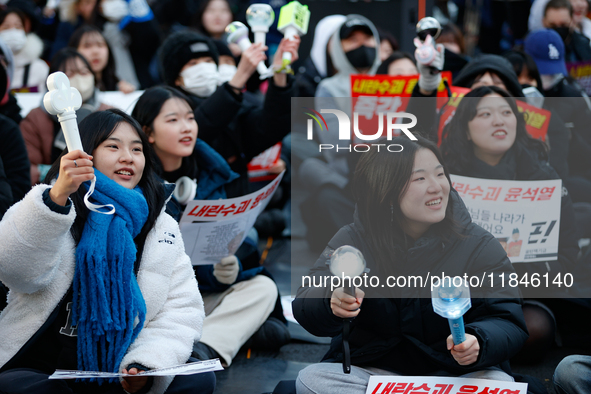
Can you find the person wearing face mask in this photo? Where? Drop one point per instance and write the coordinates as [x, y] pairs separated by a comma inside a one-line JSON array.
[[547, 50], [353, 49], [237, 126], [128, 27], [227, 63], [41, 130], [30, 71], [558, 16], [8, 104]]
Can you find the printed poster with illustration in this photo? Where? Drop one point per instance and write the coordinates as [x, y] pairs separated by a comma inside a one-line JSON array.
[[523, 215], [214, 229], [441, 385]]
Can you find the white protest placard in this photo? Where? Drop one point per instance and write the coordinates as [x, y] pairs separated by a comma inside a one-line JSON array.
[[183, 369], [214, 229], [441, 385], [523, 215]]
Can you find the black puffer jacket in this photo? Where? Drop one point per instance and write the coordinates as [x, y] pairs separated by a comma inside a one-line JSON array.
[[239, 128], [5, 195], [13, 153], [405, 335], [566, 100]]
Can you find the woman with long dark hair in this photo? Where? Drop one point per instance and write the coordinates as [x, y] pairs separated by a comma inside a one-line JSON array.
[[94, 291], [238, 290], [41, 130], [408, 223], [90, 42], [487, 139]]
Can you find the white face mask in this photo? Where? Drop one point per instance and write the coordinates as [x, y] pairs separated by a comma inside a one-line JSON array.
[[227, 72], [549, 80], [115, 10], [14, 38], [201, 79], [84, 84]]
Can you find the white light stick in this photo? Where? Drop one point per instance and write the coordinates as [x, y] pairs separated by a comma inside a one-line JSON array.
[[293, 19], [63, 100], [260, 17], [238, 34], [347, 261]]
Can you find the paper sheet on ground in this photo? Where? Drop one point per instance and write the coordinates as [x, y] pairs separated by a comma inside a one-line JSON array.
[[214, 229], [183, 369]]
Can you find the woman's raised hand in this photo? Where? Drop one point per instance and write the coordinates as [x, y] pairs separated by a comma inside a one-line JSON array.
[[344, 305], [248, 64], [75, 168]]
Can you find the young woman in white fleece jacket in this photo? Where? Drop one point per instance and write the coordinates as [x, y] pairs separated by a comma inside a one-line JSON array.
[[91, 291]]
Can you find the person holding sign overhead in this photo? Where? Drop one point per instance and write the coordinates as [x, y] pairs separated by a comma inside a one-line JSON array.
[[487, 139], [95, 291], [408, 221]]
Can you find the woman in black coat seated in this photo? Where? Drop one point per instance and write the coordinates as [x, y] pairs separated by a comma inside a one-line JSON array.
[[409, 222], [487, 139]]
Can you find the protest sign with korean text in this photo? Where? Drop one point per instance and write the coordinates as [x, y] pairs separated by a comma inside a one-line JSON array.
[[441, 385], [259, 166], [523, 215], [214, 229], [375, 94], [581, 72]]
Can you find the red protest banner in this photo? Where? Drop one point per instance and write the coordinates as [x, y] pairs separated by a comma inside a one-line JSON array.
[[374, 94], [259, 166], [581, 72]]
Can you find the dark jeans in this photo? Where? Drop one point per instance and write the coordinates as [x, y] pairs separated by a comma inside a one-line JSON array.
[[28, 381]]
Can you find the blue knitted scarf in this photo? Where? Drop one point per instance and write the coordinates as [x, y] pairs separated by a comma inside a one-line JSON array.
[[107, 298]]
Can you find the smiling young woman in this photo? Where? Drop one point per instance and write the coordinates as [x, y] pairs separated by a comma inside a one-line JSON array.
[[167, 118], [408, 221], [487, 139], [85, 287]]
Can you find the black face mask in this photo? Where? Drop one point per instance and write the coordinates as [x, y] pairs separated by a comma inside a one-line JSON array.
[[362, 57], [563, 32]]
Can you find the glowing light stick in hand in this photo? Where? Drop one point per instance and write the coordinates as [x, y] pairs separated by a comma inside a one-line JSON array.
[[238, 34], [260, 17], [293, 20], [63, 100], [347, 261], [452, 302]]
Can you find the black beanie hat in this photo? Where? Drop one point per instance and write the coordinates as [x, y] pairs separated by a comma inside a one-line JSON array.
[[179, 48], [493, 63], [223, 49]]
